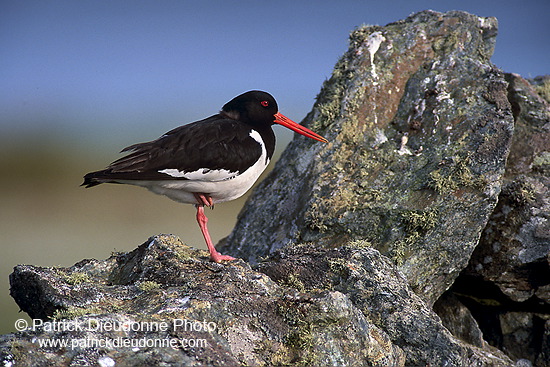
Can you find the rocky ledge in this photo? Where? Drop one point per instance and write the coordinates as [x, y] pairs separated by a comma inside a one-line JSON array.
[[418, 236], [307, 306]]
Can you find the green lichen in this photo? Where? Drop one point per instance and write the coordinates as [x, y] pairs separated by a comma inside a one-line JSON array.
[[447, 44], [543, 89], [541, 163], [315, 218], [360, 244], [76, 278], [372, 195], [519, 192], [338, 266], [182, 250], [442, 183], [400, 249], [420, 221], [328, 112], [281, 357], [294, 282], [416, 223], [299, 340], [277, 353], [450, 177], [73, 312], [148, 285], [329, 99]]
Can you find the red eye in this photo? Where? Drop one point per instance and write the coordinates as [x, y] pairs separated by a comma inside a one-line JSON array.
[[264, 103]]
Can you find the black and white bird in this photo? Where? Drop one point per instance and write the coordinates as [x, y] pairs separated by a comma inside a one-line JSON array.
[[206, 162]]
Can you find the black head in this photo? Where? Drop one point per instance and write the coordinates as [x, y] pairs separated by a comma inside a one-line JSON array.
[[260, 110], [254, 107]]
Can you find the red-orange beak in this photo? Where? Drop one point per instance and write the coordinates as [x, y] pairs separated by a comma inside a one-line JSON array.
[[286, 122]]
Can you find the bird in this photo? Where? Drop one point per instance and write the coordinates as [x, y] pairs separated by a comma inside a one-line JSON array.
[[206, 162]]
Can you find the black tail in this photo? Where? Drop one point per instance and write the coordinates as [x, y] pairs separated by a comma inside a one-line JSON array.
[[94, 178]]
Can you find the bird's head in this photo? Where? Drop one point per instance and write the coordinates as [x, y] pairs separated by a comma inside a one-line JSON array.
[[259, 108]]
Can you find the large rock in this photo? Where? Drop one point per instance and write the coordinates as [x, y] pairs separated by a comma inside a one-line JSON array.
[[215, 315], [514, 251], [312, 307], [419, 126], [511, 265], [381, 292]]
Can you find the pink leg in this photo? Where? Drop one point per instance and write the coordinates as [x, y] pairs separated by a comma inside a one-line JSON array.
[[202, 220], [203, 199]]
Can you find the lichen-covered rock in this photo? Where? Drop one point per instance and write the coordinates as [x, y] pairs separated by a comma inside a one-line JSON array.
[[542, 86], [215, 315], [511, 265], [378, 289], [514, 250], [347, 306], [419, 126]]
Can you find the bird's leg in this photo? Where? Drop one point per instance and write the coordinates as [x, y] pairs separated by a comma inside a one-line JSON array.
[[203, 220], [204, 199]]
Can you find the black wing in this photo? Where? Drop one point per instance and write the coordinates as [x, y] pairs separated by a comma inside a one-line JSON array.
[[215, 143]]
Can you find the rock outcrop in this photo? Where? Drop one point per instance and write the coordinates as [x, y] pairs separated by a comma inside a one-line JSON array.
[[312, 307], [219, 315], [507, 282], [408, 240], [419, 126]]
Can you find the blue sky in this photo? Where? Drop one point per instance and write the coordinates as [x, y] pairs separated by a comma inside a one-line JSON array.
[[125, 71]]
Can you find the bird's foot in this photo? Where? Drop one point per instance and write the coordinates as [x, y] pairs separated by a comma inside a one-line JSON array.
[[204, 199], [217, 257]]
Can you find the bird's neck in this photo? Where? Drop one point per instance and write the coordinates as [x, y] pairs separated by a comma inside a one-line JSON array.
[[268, 137], [233, 115]]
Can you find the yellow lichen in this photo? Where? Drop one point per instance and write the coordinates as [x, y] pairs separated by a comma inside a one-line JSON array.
[[148, 285], [73, 312], [420, 220], [543, 89], [451, 177], [294, 282], [76, 278]]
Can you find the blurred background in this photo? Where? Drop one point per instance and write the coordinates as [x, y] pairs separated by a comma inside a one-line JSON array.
[[79, 80]]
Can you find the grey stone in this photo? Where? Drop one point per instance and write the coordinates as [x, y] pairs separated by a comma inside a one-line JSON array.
[[380, 291], [514, 250], [240, 316], [419, 126], [458, 319]]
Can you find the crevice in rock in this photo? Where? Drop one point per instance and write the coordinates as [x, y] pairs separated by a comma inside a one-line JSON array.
[[517, 328]]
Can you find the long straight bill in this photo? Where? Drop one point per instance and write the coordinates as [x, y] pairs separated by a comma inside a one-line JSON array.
[[286, 122]]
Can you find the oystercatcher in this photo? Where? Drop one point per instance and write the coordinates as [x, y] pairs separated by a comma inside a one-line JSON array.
[[208, 161]]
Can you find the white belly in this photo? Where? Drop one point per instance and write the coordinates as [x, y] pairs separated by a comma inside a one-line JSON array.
[[220, 191]]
